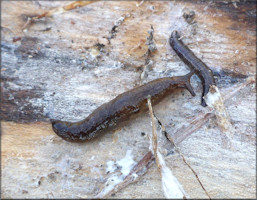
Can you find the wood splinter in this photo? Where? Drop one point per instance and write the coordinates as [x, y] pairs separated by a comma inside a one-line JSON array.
[[171, 187]]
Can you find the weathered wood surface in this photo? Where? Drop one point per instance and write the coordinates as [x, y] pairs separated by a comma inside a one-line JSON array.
[[56, 70]]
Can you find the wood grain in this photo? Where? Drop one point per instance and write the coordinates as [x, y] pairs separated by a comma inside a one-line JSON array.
[[63, 67]]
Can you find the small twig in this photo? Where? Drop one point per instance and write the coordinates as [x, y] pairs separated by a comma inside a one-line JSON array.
[[171, 187], [154, 134], [50, 13], [138, 170], [195, 124]]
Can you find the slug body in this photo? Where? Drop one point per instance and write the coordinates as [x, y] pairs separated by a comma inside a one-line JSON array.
[[201, 69], [120, 108]]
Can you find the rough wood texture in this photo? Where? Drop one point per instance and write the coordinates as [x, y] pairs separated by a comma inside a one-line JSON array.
[[63, 67]]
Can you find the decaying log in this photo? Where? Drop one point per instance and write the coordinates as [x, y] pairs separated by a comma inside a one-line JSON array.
[[64, 66]]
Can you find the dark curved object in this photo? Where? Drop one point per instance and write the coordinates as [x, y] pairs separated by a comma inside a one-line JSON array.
[[120, 108], [201, 69]]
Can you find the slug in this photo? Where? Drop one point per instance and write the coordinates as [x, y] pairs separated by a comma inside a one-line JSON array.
[[202, 70], [120, 108]]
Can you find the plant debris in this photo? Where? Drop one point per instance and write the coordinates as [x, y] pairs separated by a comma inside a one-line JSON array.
[[73, 5], [189, 17]]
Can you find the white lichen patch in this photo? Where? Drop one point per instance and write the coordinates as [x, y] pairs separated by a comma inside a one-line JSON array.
[[110, 167], [124, 165]]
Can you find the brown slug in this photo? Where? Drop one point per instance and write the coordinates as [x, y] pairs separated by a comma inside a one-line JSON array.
[[120, 108], [201, 69]]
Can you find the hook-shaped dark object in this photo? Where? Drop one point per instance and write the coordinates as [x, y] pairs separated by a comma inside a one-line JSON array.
[[201, 69]]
